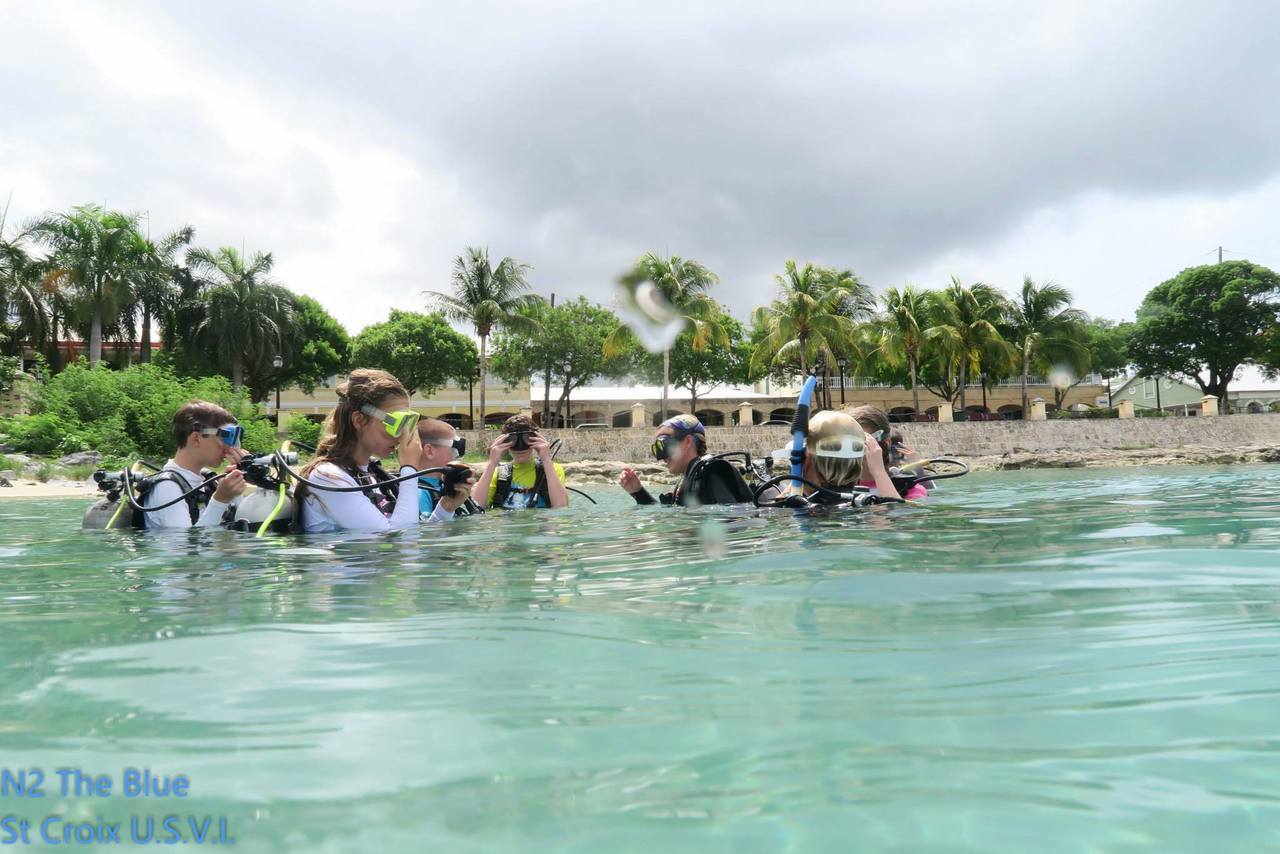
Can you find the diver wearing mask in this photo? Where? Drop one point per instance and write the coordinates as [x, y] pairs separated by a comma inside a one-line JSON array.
[[681, 442], [532, 479]]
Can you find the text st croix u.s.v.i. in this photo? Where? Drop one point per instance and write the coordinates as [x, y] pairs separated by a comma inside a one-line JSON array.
[[24, 790]]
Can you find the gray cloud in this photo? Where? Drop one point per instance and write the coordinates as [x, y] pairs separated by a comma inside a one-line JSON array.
[[579, 135]]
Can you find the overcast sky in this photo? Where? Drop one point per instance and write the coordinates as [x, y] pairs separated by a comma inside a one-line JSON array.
[[1105, 145]]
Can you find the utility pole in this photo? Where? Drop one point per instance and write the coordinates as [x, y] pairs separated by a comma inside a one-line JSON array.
[[1219, 254], [546, 386]]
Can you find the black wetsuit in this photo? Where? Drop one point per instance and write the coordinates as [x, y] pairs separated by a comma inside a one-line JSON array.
[[708, 480]]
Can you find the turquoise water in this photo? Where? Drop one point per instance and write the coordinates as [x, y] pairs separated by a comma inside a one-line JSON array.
[[1080, 661]]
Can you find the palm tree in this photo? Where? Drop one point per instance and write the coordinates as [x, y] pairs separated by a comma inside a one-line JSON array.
[[154, 288], [907, 314], [488, 298], [91, 257], [966, 330], [684, 284], [811, 319], [1042, 325], [245, 313], [23, 313]]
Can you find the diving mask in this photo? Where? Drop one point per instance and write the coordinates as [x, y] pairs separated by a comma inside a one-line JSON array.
[[844, 447], [459, 445], [397, 424], [664, 446], [230, 434], [520, 439]]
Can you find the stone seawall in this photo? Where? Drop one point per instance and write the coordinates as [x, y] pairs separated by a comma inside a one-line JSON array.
[[965, 439]]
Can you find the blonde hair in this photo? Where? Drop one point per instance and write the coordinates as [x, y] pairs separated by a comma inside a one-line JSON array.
[[835, 471]]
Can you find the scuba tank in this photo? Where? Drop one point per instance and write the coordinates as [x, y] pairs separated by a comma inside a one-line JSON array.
[[270, 507], [110, 511]]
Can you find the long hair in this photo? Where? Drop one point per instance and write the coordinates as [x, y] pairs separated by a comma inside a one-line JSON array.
[[873, 418], [363, 386]]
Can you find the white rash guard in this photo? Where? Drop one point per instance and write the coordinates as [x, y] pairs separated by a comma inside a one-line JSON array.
[[177, 515], [323, 511]]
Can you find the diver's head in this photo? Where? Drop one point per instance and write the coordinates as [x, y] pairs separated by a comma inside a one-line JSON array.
[[519, 429], [680, 440], [204, 434], [875, 422], [834, 450], [372, 413], [441, 444]]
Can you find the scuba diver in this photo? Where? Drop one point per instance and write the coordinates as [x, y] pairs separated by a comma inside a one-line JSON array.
[[441, 445], [371, 420], [533, 479], [681, 442], [204, 434], [840, 456], [876, 423]]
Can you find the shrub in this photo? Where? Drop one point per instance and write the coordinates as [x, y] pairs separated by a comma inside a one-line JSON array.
[[9, 367], [305, 430], [124, 413]]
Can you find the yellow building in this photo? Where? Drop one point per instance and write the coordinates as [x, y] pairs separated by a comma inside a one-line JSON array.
[[452, 403]]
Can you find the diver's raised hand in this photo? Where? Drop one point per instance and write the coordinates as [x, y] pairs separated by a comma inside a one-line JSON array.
[[229, 487], [499, 447], [630, 481], [461, 492], [409, 453]]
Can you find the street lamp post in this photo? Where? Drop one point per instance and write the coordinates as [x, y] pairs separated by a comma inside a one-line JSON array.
[[277, 362], [983, 379], [843, 363]]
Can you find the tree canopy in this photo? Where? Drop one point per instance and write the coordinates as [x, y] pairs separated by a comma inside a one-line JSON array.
[[570, 345], [1206, 322], [422, 350]]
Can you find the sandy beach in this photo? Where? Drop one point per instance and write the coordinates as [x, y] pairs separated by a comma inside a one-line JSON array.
[[25, 488]]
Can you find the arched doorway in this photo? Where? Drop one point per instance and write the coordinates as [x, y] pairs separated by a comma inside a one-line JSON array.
[[782, 413], [659, 417], [710, 417], [589, 416], [495, 419], [1010, 412], [456, 420], [622, 419]]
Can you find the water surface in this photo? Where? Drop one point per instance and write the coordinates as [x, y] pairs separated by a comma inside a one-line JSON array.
[[1077, 661]]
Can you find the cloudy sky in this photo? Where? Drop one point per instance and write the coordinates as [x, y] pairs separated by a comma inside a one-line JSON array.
[[1102, 145]]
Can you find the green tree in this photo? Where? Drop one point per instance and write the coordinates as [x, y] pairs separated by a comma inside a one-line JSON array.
[[489, 298], [92, 256], [683, 285], [811, 320], [700, 370], [422, 350], [245, 314], [1042, 327], [315, 347], [1206, 322], [901, 331], [24, 316], [965, 332], [570, 344], [154, 288]]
